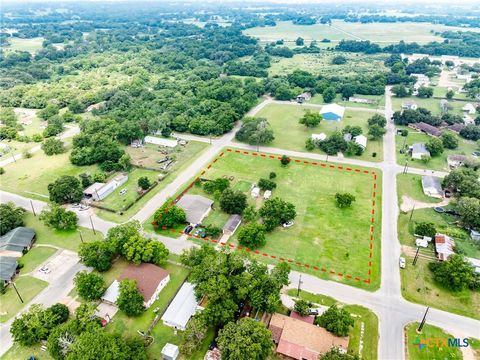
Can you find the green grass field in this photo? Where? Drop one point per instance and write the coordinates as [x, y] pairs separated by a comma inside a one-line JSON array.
[[291, 135], [413, 352], [361, 315], [323, 235], [34, 257], [31, 45], [28, 287], [321, 63], [438, 162]]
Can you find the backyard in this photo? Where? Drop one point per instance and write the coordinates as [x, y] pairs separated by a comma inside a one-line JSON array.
[[291, 135], [339, 237]]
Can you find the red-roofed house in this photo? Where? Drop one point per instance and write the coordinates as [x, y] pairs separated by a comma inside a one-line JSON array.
[[444, 246], [151, 279]]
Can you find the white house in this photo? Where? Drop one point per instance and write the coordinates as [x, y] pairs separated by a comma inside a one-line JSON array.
[[182, 308], [99, 191], [332, 112], [361, 140], [319, 137], [469, 109], [160, 141]]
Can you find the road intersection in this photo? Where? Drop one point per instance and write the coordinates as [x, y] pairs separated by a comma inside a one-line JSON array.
[[393, 311]]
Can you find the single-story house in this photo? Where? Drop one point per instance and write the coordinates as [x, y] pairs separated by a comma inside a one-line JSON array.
[[196, 207], [182, 308], [409, 105], [426, 128], [297, 339], [170, 352], [444, 246], [16, 242], [99, 191], [431, 186], [418, 150], [304, 97], [319, 137], [456, 128], [475, 235], [232, 224], [8, 268], [475, 263], [150, 278], [360, 100], [110, 295], [332, 112], [469, 109], [361, 140], [160, 141], [455, 161]]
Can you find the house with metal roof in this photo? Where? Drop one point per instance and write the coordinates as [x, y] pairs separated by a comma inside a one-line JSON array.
[[8, 268], [432, 187], [182, 308], [196, 207], [17, 241], [332, 112]]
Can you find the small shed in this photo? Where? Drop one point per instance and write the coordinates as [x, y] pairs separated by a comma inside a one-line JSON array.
[[319, 137], [432, 187], [418, 150], [170, 352], [332, 112], [232, 224]]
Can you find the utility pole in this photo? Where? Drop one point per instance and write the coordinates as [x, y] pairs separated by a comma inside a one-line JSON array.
[[423, 320], [300, 282], [13, 284], [33, 209], [411, 214], [416, 256], [93, 228]]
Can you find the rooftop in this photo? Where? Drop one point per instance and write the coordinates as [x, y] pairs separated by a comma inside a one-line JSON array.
[[147, 276]]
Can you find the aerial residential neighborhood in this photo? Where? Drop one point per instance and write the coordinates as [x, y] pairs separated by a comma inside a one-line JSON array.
[[239, 180]]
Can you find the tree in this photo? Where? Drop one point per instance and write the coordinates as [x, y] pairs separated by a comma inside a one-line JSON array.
[[425, 229], [310, 118], [335, 320], [59, 218], [302, 307], [285, 160], [469, 209], [252, 235], [329, 94], [456, 273], [233, 202], [449, 141], [235, 340], [376, 131], [299, 41], [130, 300], [97, 254], [400, 91], [435, 146], [169, 216], [144, 182], [255, 131], [339, 60], [450, 94], [424, 92], [266, 184], [344, 200], [193, 335], [90, 286], [377, 119], [11, 217], [52, 146], [66, 189], [275, 212]]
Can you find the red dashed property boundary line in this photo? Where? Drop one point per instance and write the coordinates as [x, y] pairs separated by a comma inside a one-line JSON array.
[[292, 261]]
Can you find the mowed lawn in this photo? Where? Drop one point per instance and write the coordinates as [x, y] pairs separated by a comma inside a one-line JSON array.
[[291, 135], [413, 352], [323, 235]]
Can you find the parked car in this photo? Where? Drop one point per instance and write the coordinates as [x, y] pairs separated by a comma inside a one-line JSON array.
[[402, 262]]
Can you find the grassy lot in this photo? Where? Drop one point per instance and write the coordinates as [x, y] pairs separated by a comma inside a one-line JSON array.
[[28, 287], [31, 45], [411, 186], [321, 63], [69, 240], [427, 353], [319, 224], [291, 135], [361, 315], [161, 333], [30, 177], [115, 201], [378, 101], [439, 162], [36, 256], [183, 159]]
